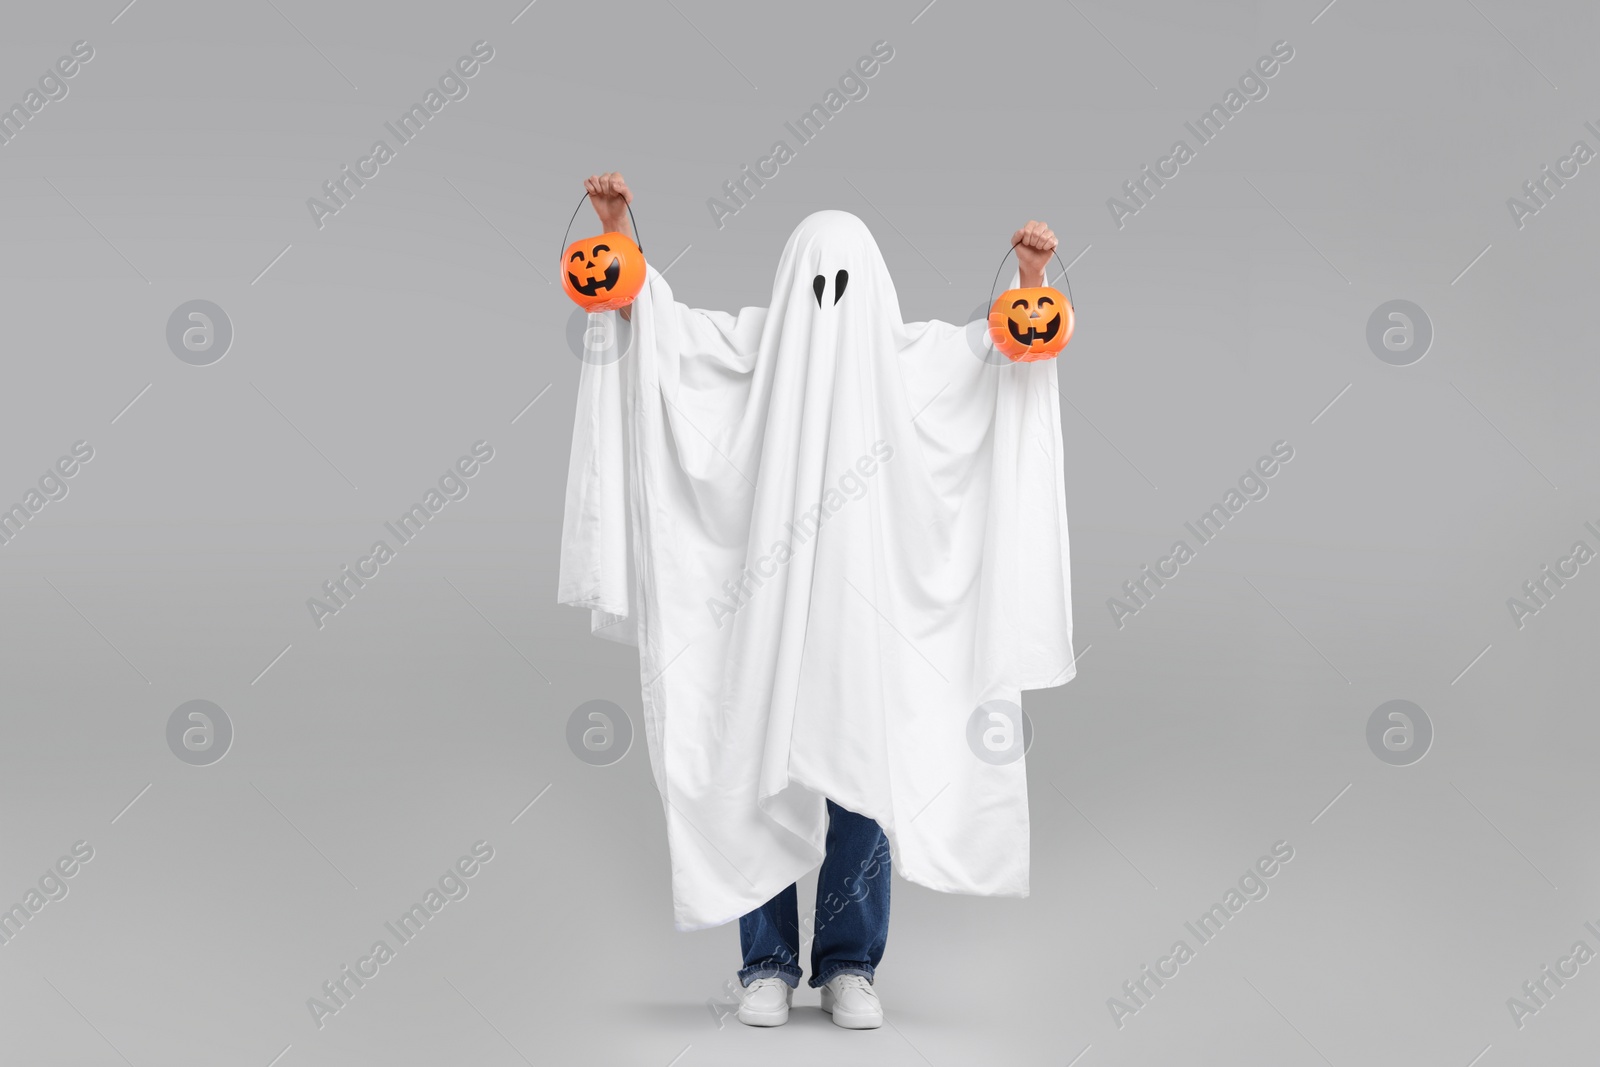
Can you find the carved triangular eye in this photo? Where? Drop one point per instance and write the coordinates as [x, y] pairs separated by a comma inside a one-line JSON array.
[[818, 284], [840, 280]]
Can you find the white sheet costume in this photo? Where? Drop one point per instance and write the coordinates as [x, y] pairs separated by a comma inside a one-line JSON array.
[[833, 536]]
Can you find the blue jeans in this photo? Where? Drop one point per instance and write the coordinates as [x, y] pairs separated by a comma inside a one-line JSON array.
[[852, 917]]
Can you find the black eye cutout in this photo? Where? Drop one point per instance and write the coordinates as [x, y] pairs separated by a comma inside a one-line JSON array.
[[601, 248], [1019, 304], [819, 285], [576, 256], [1043, 300]]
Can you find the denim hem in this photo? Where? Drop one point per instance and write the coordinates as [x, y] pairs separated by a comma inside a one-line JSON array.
[[787, 971], [833, 971]]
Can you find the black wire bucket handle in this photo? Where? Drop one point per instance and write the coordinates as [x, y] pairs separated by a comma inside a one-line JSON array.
[[637, 243], [1053, 252]]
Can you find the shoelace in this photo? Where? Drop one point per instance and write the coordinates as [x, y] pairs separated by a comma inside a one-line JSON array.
[[853, 981]]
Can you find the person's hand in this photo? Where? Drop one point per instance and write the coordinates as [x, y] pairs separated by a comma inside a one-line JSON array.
[[610, 196], [1034, 244]]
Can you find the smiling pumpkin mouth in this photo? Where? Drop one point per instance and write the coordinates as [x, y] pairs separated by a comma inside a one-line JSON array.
[[595, 285], [1033, 336]]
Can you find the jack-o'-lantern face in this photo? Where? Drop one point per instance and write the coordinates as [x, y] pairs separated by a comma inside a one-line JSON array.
[[603, 273], [1027, 325]]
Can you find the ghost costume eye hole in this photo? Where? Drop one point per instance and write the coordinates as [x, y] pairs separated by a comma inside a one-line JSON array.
[[819, 285]]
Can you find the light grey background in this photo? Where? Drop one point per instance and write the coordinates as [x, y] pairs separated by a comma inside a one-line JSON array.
[[368, 355]]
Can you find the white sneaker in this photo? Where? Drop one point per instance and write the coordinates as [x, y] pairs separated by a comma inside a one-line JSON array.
[[849, 998], [765, 1002]]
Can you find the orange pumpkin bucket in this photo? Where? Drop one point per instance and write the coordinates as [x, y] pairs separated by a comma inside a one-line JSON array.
[[602, 273], [1028, 325]]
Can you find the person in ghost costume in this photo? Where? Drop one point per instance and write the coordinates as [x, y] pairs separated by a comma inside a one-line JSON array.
[[839, 541]]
